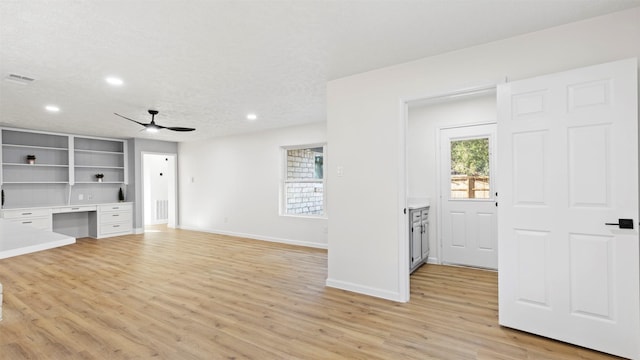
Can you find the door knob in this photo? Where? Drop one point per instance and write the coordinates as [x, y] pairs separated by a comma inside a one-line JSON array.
[[623, 223]]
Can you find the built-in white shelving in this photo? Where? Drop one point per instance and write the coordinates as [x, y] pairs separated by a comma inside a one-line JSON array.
[[99, 156], [61, 161], [51, 152]]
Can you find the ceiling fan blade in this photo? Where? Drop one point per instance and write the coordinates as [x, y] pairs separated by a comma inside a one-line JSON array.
[[153, 127], [176, 128], [137, 122]]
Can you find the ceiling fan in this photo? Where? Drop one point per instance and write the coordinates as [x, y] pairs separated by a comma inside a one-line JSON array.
[[153, 127]]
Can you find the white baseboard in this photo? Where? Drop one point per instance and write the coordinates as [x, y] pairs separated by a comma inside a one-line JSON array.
[[366, 290], [138, 231], [256, 237]]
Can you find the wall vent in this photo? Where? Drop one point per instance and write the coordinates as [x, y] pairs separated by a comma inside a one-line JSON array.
[[162, 210], [20, 79]]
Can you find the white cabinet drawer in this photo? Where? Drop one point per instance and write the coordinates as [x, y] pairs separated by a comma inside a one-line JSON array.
[[120, 227], [43, 223], [69, 209], [115, 207], [115, 219], [25, 213], [109, 217]]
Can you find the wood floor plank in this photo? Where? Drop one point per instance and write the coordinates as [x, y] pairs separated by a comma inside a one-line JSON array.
[[177, 294]]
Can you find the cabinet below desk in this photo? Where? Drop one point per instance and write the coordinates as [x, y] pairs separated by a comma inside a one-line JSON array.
[[113, 220], [104, 220], [39, 218]]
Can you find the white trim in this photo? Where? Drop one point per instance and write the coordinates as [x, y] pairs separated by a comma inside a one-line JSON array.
[[452, 94], [303, 146], [256, 237], [61, 134], [305, 216], [404, 285], [138, 231], [366, 290]]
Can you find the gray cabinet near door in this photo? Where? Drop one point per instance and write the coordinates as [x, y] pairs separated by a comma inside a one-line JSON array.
[[418, 237]]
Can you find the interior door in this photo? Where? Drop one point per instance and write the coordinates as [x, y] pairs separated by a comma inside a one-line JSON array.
[[568, 164], [469, 221]]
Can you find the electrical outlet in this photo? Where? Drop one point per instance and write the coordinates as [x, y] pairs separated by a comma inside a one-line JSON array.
[[80, 196]]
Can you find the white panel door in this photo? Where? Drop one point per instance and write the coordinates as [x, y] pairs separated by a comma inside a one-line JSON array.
[[568, 164], [469, 228]]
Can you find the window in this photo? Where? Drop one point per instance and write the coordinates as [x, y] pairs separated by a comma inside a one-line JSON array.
[[303, 185], [470, 169]]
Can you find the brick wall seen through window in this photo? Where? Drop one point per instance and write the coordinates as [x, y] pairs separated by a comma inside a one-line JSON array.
[[304, 181]]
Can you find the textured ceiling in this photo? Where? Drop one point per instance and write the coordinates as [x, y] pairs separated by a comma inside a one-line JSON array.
[[207, 64]]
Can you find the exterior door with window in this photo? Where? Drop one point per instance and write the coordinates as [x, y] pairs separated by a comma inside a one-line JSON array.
[[469, 221], [568, 168]]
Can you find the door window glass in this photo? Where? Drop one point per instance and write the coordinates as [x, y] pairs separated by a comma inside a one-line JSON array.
[[470, 169]]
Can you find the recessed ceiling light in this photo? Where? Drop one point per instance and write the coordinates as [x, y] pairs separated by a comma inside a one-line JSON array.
[[114, 81], [252, 116], [52, 108]]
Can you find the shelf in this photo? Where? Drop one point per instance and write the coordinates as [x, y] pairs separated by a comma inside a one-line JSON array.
[[62, 161], [35, 165], [35, 147], [35, 182], [100, 152], [95, 182], [99, 167]]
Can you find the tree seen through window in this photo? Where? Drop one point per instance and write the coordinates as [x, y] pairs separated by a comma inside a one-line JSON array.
[[470, 169]]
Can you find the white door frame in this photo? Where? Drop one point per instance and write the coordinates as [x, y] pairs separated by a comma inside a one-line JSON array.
[[174, 223], [403, 178]]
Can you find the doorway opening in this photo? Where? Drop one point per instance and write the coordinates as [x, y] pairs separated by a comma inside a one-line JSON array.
[[159, 184], [425, 118]]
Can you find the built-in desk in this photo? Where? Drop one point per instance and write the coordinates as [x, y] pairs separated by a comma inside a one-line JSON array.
[[17, 239], [92, 220]]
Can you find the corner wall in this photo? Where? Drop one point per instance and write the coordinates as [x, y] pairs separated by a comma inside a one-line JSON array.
[[231, 185], [364, 116]]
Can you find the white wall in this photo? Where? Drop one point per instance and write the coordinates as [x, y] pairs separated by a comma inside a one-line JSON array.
[[364, 115], [422, 141], [231, 185]]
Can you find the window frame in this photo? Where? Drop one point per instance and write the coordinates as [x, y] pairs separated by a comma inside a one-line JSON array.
[[492, 161], [284, 180]]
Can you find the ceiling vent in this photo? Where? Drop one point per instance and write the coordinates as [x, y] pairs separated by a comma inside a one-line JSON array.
[[20, 79]]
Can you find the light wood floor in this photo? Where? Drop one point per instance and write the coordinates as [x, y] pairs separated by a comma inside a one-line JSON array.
[[189, 295]]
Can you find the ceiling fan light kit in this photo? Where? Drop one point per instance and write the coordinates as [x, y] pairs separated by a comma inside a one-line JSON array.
[[152, 127]]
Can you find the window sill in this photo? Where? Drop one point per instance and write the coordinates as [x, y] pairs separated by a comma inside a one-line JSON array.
[[319, 217]]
